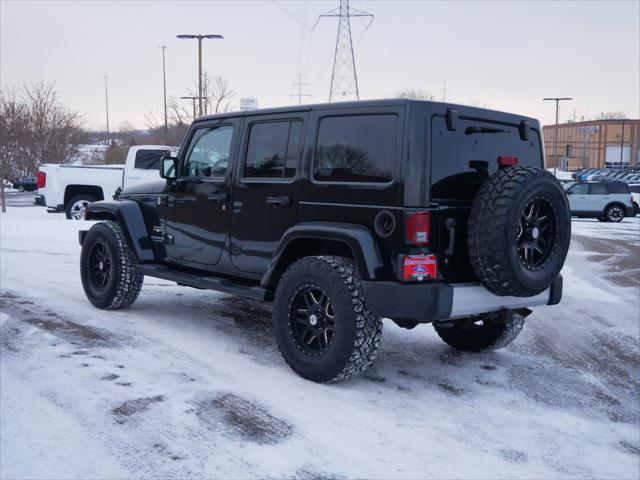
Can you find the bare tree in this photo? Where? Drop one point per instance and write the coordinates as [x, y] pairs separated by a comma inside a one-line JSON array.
[[414, 94], [35, 128], [217, 93]]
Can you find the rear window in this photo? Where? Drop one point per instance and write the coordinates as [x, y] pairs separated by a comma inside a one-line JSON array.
[[149, 159], [463, 159], [618, 188], [357, 148]]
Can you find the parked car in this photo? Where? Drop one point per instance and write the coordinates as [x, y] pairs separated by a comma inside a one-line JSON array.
[[26, 184], [634, 188], [606, 200], [343, 214], [70, 188]]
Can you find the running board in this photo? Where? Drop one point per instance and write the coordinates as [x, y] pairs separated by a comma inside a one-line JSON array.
[[208, 283]]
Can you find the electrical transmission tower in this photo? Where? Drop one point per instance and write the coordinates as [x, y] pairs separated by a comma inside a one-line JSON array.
[[344, 79]]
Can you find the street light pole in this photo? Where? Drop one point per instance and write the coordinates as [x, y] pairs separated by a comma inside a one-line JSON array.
[[199, 37], [106, 101], [193, 99], [164, 86], [555, 135]]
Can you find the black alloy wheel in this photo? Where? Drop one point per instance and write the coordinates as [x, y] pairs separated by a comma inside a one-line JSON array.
[[100, 262], [536, 232], [313, 320]]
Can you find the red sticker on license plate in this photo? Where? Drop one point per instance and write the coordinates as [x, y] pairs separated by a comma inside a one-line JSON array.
[[419, 267]]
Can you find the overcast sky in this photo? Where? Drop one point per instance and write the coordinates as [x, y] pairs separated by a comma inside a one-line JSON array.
[[505, 55]]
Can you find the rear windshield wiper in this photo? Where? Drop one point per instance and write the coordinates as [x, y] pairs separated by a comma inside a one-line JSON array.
[[476, 129]]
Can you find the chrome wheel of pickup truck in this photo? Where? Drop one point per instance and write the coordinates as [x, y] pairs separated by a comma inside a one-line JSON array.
[[77, 205]]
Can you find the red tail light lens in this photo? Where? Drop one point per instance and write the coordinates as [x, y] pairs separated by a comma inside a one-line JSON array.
[[419, 267], [42, 179], [418, 228], [505, 161]]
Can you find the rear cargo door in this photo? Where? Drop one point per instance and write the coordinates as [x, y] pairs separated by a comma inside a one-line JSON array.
[[461, 160]]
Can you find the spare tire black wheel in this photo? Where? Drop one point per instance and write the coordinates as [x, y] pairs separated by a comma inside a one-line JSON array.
[[519, 231]]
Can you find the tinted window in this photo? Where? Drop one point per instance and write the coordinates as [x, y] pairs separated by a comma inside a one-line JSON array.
[[618, 188], [634, 188], [273, 150], [360, 148], [209, 151], [579, 189], [149, 159], [463, 159], [598, 189]]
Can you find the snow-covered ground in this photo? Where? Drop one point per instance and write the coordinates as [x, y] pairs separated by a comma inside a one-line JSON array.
[[189, 383]]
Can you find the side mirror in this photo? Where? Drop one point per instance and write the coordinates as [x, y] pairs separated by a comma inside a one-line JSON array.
[[169, 168]]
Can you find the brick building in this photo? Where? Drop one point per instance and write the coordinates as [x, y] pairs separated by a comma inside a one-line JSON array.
[[594, 144]]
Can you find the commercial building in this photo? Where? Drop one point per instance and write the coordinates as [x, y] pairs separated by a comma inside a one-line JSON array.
[[593, 144]]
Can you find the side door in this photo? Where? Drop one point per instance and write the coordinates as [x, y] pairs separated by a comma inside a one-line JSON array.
[[598, 197], [578, 198], [265, 193], [197, 215]]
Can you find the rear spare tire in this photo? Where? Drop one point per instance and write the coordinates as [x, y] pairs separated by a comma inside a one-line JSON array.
[[519, 231]]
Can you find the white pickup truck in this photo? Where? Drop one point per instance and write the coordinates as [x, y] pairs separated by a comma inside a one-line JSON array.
[[71, 188]]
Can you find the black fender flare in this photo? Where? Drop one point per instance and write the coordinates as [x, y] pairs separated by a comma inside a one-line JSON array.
[[358, 238], [129, 215]]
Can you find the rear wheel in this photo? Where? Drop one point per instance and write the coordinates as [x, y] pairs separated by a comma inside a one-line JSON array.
[[107, 268], [21, 188], [490, 331], [615, 213], [75, 207], [321, 323]]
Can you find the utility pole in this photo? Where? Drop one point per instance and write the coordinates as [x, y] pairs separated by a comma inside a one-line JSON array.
[[555, 135], [199, 37], [164, 87], [193, 99], [106, 101], [344, 79], [300, 84]]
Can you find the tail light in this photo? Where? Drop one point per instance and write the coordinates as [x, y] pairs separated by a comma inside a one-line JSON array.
[[42, 179], [505, 161], [418, 228], [418, 267]]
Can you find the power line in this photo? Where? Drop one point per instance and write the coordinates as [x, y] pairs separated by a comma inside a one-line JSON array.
[[290, 14], [300, 84], [344, 78]]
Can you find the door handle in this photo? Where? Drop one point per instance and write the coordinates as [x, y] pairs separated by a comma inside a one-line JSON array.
[[278, 201], [217, 197], [451, 226], [137, 177]]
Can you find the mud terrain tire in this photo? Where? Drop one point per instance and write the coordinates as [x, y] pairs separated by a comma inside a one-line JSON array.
[[519, 231], [324, 294], [107, 268], [490, 331]]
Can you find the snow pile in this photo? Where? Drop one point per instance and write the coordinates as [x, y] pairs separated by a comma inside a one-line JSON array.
[[190, 384]]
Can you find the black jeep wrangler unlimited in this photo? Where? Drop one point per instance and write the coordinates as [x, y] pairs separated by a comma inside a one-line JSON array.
[[344, 214]]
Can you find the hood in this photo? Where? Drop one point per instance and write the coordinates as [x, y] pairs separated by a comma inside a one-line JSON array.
[[145, 188]]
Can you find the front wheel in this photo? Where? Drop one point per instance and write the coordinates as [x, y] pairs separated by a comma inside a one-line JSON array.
[[321, 323], [107, 268], [490, 331], [615, 213]]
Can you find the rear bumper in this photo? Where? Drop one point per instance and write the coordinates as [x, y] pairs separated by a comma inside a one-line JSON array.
[[427, 302]]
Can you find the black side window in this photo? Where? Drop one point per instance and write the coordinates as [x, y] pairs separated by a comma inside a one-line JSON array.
[[149, 159], [359, 148], [618, 188], [273, 149], [598, 189], [579, 189], [634, 188], [209, 152]]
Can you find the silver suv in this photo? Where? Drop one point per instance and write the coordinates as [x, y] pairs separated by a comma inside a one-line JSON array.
[[605, 200]]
